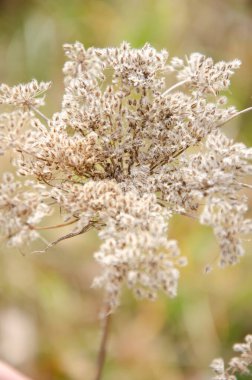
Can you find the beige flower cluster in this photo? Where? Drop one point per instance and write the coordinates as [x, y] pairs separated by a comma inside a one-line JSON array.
[[240, 365], [122, 155], [22, 205]]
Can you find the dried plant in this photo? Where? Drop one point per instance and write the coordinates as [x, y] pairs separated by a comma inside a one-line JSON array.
[[240, 365], [122, 156]]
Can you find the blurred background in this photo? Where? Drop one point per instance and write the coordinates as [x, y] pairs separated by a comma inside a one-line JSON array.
[[49, 326]]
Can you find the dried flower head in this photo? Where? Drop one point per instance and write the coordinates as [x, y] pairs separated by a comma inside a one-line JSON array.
[[240, 365], [25, 96], [117, 157]]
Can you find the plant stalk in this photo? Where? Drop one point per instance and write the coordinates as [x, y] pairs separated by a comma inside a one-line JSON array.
[[103, 345]]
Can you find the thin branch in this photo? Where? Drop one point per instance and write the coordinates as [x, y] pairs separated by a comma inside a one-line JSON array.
[[233, 116], [55, 226], [40, 113], [176, 85], [22, 151], [188, 215], [103, 345], [246, 185], [67, 236]]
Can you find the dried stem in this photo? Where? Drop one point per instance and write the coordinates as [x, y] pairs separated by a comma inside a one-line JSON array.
[[176, 85], [40, 113], [235, 115], [67, 236], [55, 226], [103, 345]]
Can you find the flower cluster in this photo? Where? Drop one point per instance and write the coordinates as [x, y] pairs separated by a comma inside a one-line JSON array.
[[22, 206], [203, 74], [24, 95], [237, 365], [118, 157]]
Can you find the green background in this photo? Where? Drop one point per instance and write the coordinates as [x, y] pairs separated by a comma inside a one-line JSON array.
[[49, 326]]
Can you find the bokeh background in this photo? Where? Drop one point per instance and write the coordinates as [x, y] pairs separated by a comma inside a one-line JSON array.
[[49, 326]]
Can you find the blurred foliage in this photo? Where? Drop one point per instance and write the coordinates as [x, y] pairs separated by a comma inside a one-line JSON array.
[[49, 324]]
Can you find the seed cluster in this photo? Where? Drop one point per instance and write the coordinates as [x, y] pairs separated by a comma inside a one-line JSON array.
[[122, 155], [240, 365]]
